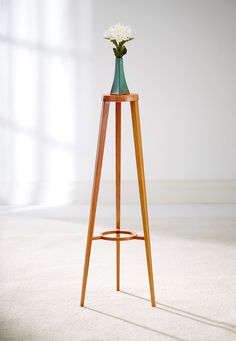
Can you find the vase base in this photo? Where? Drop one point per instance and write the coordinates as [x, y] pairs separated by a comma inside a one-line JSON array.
[[120, 93]]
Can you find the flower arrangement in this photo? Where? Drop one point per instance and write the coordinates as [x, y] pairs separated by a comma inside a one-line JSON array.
[[119, 35]]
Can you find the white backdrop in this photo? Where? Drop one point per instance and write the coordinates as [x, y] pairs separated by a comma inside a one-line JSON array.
[[55, 66]]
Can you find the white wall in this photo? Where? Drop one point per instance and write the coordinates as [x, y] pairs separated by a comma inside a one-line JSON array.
[[56, 66]]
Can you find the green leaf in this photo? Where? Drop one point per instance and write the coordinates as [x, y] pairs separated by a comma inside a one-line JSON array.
[[124, 51], [115, 43], [121, 43]]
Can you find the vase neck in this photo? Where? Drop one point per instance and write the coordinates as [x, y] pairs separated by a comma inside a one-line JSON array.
[[119, 65]]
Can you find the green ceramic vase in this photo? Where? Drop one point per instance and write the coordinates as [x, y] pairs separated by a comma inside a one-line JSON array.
[[119, 85]]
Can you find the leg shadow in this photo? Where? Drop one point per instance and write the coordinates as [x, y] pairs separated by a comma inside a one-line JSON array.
[[189, 315], [136, 324]]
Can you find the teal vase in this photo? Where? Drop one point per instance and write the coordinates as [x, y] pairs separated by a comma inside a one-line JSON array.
[[119, 85]]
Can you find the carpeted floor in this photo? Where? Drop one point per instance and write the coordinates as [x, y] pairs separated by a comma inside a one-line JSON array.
[[41, 264]]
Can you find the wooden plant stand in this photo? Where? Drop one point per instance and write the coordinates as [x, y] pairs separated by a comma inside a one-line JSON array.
[[116, 235]]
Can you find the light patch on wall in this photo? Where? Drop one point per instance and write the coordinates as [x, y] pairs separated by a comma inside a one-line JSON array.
[[25, 87], [60, 166], [59, 105]]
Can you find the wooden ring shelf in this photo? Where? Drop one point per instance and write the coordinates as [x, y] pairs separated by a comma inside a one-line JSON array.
[[132, 235]]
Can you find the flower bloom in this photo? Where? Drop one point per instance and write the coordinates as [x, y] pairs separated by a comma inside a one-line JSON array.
[[119, 33]]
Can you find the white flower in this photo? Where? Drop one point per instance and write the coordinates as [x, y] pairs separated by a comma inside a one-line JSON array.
[[119, 33]]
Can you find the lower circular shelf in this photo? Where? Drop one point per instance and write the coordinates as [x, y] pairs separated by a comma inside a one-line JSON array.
[[132, 235]]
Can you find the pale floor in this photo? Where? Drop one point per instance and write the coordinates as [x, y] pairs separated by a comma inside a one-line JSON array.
[[194, 261]]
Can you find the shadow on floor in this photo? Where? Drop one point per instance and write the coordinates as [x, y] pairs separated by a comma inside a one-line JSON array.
[[188, 315], [136, 324]]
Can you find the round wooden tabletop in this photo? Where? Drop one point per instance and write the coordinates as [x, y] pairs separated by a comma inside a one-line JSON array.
[[120, 98]]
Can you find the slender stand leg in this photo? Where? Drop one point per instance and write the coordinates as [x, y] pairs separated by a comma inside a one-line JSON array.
[[142, 193], [118, 170], [96, 182]]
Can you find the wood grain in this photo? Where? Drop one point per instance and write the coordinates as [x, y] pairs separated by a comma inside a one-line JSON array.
[[118, 177], [120, 98], [96, 183], [142, 193]]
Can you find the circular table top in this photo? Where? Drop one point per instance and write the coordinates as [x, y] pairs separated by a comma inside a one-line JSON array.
[[120, 98]]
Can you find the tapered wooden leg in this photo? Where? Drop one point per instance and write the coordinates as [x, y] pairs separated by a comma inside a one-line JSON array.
[[118, 170], [142, 193], [96, 182]]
